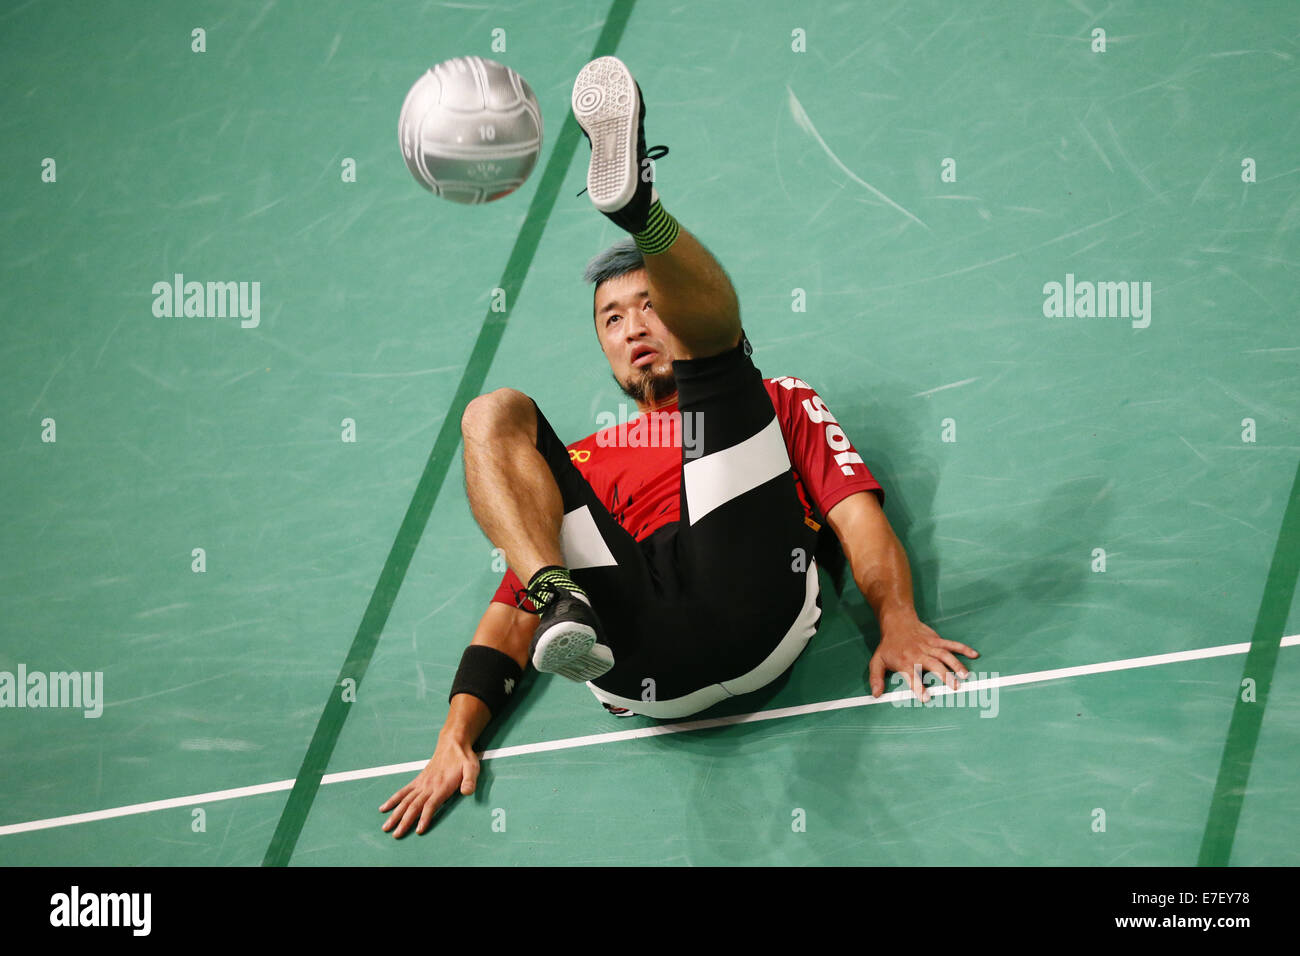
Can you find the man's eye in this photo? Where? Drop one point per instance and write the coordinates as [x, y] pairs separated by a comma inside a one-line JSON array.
[[612, 318]]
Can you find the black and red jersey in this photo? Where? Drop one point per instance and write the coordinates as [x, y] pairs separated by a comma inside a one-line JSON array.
[[635, 467]]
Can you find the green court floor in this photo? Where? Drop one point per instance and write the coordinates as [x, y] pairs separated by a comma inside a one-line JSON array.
[[892, 188]]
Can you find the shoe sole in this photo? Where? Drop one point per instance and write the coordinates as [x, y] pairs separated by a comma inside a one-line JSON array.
[[569, 649], [607, 107]]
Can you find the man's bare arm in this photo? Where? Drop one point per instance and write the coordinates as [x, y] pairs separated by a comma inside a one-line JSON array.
[[882, 574], [454, 765]]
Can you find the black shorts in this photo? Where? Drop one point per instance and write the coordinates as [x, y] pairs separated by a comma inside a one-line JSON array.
[[722, 601]]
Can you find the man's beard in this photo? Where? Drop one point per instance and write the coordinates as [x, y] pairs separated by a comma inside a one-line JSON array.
[[645, 386]]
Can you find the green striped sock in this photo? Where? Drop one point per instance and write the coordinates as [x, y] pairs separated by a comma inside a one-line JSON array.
[[541, 589], [660, 231]]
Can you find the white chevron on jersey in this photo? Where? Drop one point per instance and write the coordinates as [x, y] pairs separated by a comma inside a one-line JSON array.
[[581, 543], [713, 480]]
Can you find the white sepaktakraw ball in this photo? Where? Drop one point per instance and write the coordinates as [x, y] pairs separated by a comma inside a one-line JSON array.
[[470, 130]]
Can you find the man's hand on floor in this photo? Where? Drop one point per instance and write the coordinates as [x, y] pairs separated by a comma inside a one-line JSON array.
[[454, 766], [910, 648]]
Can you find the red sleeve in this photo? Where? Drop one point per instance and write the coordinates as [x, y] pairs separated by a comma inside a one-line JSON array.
[[506, 593], [827, 462]]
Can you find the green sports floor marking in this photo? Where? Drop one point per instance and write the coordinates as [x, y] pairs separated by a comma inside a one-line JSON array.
[[363, 647], [1247, 717]]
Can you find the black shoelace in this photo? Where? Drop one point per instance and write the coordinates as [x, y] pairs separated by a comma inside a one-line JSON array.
[[541, 595]]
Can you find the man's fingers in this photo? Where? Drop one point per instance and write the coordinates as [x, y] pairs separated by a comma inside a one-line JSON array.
[[392, 801], [956, 665], [965, 650], [950, 670], [876, 672], [434, 801], [430, 808], [945, 676], [410, 816], [396, 816], [918, 686], [946, 667], [397, 822], [470, 779]]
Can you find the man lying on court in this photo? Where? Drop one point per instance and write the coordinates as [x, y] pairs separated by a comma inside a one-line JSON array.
[[666, 578]]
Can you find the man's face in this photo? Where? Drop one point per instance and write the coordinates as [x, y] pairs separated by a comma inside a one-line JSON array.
[[639, 347]]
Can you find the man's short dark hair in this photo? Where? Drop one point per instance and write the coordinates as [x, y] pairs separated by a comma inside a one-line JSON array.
[[618, 260]]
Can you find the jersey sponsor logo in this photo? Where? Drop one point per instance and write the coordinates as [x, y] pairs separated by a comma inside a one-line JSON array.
[[580, 455], [839, 442]]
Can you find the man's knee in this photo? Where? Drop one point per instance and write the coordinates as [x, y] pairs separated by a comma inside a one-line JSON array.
[[501, 410]]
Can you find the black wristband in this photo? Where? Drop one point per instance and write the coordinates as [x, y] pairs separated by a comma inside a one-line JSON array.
[[487, 673]]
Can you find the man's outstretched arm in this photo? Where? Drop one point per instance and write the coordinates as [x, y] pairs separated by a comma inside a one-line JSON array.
[[882, 574], [454, 765]]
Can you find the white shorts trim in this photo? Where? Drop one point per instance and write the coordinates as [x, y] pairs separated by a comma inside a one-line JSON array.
[[772, 667]]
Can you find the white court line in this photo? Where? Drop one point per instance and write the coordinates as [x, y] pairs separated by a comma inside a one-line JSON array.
[[1154, 660]]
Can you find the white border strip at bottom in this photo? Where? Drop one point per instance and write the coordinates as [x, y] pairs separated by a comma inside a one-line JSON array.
[[680, 727]]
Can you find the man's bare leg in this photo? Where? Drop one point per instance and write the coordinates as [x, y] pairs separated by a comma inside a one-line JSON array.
[[511, 490], [690, 291], [517, 503], [694, 297]]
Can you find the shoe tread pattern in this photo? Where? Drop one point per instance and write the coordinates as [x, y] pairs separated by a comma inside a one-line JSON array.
[[568, 647], [605, 104]]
